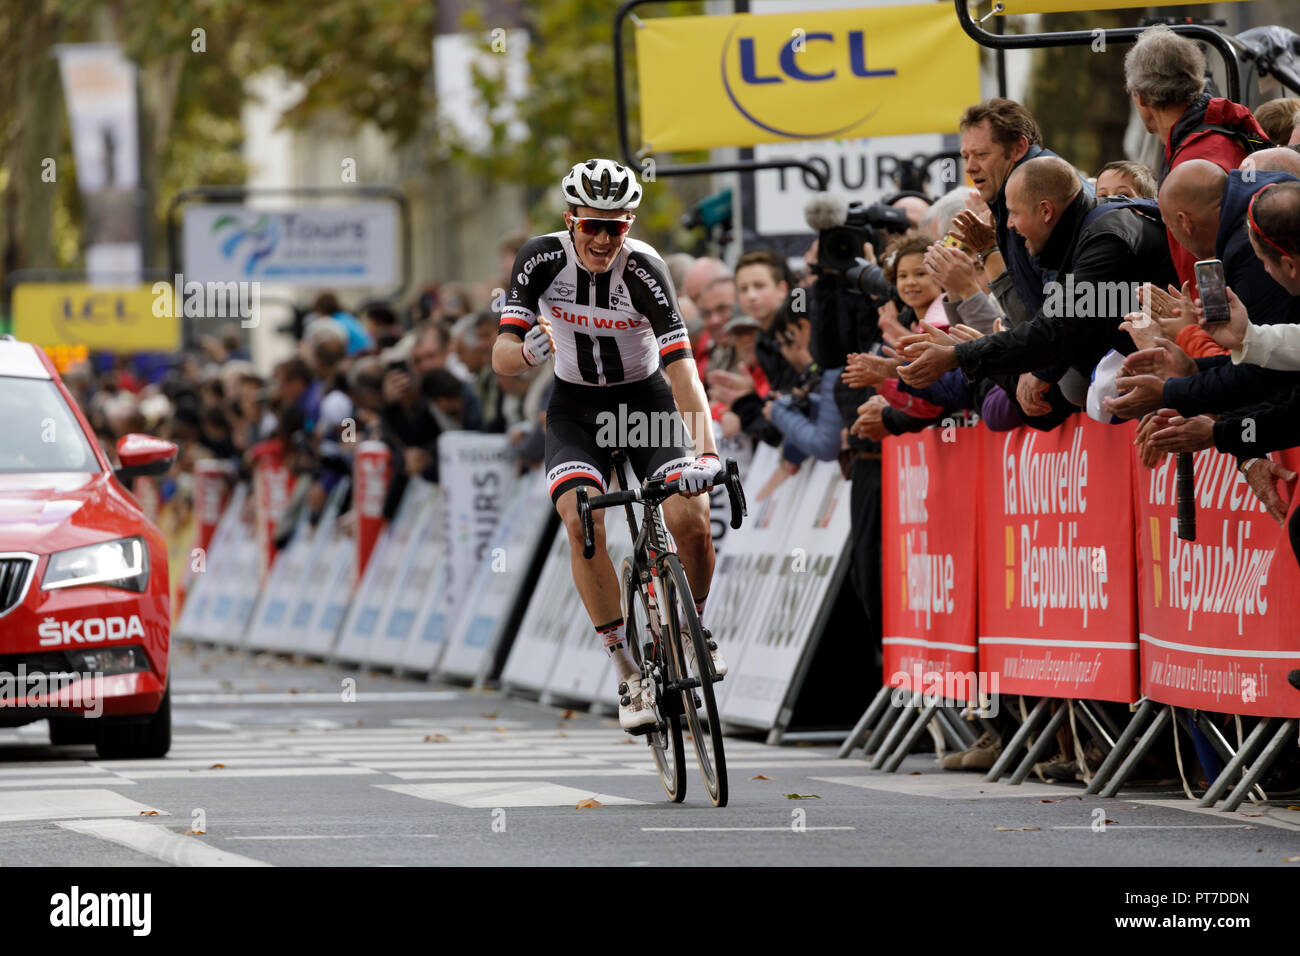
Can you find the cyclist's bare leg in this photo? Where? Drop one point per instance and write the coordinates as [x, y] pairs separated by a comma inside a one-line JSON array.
[[596, 579], [688, 522]]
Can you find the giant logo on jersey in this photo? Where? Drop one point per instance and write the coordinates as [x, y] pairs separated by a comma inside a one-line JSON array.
[[650, 280], [534, 262]]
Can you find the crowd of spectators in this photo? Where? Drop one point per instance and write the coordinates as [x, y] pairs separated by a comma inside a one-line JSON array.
[[960, 315]]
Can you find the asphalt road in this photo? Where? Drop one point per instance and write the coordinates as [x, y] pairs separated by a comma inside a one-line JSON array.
[[276, 768]]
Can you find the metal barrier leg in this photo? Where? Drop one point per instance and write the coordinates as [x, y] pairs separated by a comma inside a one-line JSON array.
[[1116, 755], [1101, 734], [909, 739], [1260, 767], [905, 718], [1044, 740], [1010, 749], [883, 726], [954, 728], [1162, 720], [863, 726], [1220, 745], [1224, 780]]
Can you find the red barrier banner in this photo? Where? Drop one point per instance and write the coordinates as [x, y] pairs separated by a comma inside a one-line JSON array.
[[370, 485], [928, 562], [1057, 612], [272, 485], [1220, 628], [211, 488]]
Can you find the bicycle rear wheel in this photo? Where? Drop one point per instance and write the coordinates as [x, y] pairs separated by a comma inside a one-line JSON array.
[[706, 727], [666, 740]]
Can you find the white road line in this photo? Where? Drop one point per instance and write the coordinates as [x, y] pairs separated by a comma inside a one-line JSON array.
[[159, 843], [486, 764], [1251, 815], [68, 781], [128, 766], [428, 751], [215, 724], [1162, 826], [787, 829], [648, 771], [338, 836], [32, 769], [506, 794], [61, 804], [948, 787], [338, 771], [315, 697]]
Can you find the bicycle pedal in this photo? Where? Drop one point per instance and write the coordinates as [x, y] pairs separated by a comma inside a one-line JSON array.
[[643, 730]]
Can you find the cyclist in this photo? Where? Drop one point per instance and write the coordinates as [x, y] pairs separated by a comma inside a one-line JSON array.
[[604, 305]]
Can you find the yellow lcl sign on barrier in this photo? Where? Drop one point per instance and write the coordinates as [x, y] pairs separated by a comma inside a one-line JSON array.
[[746, 79], [103, 318]]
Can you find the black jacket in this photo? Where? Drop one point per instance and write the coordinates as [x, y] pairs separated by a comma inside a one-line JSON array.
[[1119, 246], [1269, 426], [1222, 385]]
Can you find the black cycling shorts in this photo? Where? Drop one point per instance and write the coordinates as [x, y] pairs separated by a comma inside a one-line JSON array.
[[586, 423]]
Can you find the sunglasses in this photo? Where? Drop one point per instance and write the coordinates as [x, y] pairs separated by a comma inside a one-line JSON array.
[[595, 226]]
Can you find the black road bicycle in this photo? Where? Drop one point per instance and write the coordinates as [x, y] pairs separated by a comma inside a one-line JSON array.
[[656, 595]]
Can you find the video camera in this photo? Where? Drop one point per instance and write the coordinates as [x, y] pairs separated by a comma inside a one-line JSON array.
[[844, 228]]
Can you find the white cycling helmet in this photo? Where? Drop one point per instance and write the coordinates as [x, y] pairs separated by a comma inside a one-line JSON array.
[[601, 184]]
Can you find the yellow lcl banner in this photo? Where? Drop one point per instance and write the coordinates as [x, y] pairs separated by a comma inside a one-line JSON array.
[[1018, 7], [103, 318], [746, 79]]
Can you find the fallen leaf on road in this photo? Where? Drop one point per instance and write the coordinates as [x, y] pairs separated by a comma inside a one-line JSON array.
[[358, 723], [760, 777], [1293, 807], [1250, 828], [802, 796], [588, 804], [491, 716], [559, 733], [293, 730], [293, 690], [499, 729], [1291, 859], [568, 715], [218, 766], [466, 726], [436, 739], [914, 773], [194, 833], [625, 740], [1017, 828], [148, 813]]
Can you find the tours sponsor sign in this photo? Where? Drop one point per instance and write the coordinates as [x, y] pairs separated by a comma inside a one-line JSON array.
[[1218, 614], [928, 559], [1057, 613], [344, 246]]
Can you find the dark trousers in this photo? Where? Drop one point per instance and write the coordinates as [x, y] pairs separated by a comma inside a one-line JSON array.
[[864, 504]]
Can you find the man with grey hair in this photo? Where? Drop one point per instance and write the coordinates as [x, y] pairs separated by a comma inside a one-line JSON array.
[[1164, 75], [1094, 256]]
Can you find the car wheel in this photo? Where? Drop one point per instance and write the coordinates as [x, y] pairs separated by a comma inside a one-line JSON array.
[[71, 730], [152, 738]]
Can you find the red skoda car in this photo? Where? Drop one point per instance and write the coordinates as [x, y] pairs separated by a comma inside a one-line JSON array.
[[85, 615]]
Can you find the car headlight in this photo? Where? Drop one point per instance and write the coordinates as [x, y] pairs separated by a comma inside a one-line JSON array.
[[109, 660], [123, 563]]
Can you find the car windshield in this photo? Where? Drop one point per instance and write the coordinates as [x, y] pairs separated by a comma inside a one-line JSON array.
[[38, 432]]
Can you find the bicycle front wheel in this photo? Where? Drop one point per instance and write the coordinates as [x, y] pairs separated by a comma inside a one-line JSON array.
[[705, 725], [665, 740]]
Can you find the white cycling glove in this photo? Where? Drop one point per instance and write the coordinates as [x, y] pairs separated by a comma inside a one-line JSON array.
[[537, 346], [700, 473]]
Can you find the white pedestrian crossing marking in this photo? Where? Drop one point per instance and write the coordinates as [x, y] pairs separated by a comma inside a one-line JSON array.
[[506, 794], [17, 805], [159, 842]]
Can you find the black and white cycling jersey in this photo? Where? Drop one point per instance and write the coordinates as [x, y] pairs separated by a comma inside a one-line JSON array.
[[612, 327]]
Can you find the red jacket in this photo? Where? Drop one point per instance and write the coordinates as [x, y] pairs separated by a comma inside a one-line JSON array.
[[1188, 140]]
